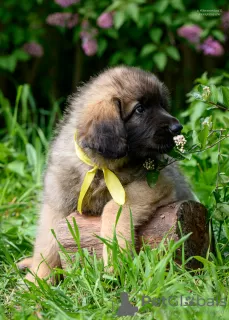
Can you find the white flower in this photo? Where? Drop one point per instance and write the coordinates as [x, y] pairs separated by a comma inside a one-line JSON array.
[[149, 164], [206, 92], [180, 141]]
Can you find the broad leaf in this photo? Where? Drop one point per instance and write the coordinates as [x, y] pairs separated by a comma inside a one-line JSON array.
[[160, 59], [152, 177], [173, 53], [147, 49]]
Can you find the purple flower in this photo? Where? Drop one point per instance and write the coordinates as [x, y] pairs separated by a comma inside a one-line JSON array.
[[105, 20], [88, 35], [90, 46], [73, 20], [34, 49], [62, 19], [225, 20], [212, 47], [190, 32], [66, 3]]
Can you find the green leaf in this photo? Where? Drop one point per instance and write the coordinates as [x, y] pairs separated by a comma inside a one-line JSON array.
[[8, 63], [221, 212], [133, 11], [119, 19], [21, 55], [17, 167], [177, 4], [147, 49], [189, 139], [31, 155], [152, 177], [203, 136], [214, 93], [160, 59], [155, 34], [116, 58], [219, 35], [226, 120], [112, 33], [102, 45], [160, 6], [114, 6], [225, 95], [173, 53], [175, 155]]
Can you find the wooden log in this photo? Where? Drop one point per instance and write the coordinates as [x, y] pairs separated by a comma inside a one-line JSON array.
[[190, 214]]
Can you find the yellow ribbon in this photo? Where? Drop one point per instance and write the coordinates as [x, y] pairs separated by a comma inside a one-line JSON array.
[[112, 182]]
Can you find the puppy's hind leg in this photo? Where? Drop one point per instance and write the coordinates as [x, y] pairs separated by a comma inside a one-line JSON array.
[[46, 256]]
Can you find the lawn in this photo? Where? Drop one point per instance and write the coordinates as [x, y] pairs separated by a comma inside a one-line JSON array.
[[154, 282]]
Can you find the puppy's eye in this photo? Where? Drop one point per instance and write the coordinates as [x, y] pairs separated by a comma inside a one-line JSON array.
[[139, 109]]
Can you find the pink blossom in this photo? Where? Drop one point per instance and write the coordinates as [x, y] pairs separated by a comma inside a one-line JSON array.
[[190, 32], [62, 19], [73, 20], [66, 3], [90, 46], [88, 34], [212, 47], [105, 20], [34, 49], [225, 20]]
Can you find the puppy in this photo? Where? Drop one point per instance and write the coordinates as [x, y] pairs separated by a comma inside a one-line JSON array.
[[121, 119]]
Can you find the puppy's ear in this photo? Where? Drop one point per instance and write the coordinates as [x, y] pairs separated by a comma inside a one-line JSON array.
[[103, 130]]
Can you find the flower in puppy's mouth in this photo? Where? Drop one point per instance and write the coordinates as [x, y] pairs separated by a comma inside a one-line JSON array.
[[180, 142]]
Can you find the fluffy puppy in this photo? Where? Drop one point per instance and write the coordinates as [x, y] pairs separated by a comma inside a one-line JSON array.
[[121, 119]]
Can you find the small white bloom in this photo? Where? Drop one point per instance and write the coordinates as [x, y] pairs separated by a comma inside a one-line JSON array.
[[149, 164], [206, 92], [180, 141]]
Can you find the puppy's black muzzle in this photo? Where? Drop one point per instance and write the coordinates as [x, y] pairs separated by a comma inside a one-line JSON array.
[[175, 128]]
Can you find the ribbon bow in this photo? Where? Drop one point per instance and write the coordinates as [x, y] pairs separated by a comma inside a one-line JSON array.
[[112, 182]]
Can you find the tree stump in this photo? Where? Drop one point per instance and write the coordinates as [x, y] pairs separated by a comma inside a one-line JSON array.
[[191, 215]]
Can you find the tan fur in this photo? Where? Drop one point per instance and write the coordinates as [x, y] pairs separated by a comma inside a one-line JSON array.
[[93, 105]]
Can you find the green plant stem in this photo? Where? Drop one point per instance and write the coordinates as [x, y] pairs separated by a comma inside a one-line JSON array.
[[217, 184], [218, 171], [209, 147], [217, 105]]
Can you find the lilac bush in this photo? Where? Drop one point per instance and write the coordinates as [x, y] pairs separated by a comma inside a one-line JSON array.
[[212, 47], [88, 37], [66, 3], [190, 32], [62, 19], [105, 20], [89, 46], [33, 49]]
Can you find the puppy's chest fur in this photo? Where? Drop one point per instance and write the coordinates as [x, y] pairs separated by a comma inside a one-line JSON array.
[[98, 195]]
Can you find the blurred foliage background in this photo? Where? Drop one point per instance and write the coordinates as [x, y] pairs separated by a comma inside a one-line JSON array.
[[54, 45], [47, 48]]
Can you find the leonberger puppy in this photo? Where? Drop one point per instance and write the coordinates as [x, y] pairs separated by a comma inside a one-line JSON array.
[[121, 118]]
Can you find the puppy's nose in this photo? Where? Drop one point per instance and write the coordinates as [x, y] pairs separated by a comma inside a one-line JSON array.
[[175, 128]]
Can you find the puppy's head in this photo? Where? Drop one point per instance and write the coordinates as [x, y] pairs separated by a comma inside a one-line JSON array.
[[124, 112]]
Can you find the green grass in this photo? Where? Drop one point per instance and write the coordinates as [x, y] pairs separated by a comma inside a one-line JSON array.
[[88, 291]]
